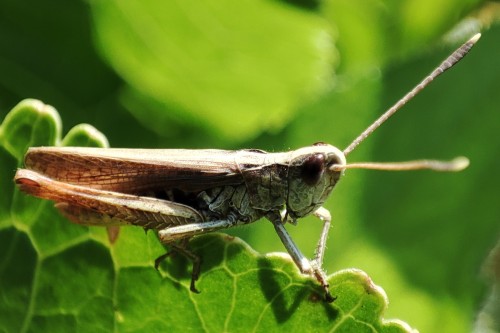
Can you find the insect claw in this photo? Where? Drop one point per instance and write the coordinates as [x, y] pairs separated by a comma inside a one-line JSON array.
[[192, 287], [320, 276], [328, 297]]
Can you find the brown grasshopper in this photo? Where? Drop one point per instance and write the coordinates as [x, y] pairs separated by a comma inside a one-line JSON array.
[[183, 193]]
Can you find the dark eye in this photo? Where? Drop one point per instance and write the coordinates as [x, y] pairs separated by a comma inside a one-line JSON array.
[[312, 169]]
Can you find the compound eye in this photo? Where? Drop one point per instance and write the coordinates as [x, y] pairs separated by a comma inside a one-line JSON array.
[[313, 169]]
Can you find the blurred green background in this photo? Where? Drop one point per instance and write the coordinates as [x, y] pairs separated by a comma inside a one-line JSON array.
[[279, 75]]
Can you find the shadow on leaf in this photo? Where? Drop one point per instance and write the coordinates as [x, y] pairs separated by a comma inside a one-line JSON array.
[[209, 249], [286, 295]]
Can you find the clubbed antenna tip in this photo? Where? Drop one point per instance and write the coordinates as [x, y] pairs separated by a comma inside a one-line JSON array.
[[475, 38]]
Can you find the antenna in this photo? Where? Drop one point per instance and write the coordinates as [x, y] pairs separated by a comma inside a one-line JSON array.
[[446, 64], [457, 164]]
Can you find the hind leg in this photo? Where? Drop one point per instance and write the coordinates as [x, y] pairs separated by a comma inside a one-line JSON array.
[[177, 239]]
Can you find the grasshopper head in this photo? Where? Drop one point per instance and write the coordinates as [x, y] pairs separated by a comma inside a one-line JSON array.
[[311, 177]]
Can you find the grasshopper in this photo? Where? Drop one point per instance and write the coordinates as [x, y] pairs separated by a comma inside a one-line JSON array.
[[182, 193]]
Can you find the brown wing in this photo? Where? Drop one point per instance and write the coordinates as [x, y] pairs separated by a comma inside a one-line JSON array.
[[89, 206], [140, 170]]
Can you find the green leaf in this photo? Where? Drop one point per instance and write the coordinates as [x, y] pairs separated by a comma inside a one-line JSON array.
[[72, 279], [30, 123], [254, 60]]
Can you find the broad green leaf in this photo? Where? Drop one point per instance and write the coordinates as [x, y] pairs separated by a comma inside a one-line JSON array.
[[72, 279], [203, 61]]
